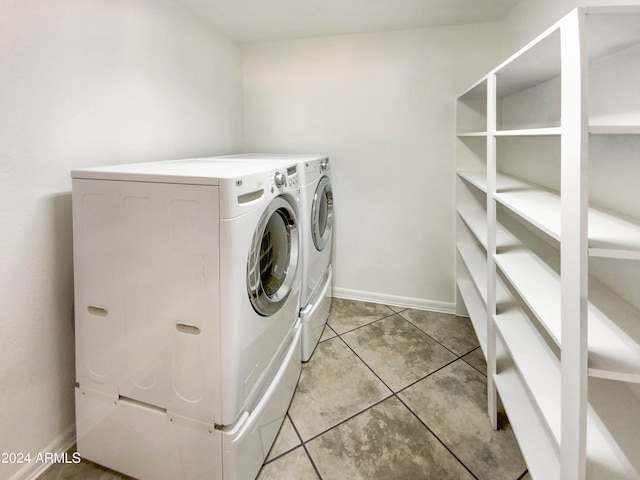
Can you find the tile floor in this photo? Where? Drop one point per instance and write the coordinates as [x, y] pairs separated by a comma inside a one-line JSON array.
[[389, 393]]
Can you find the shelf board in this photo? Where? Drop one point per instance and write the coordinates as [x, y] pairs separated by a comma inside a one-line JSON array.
[[475, 218], [504, 183], [608, 232], [476, 221], [538, 207], [537, 284], [474, 177], [538, 365], [529, 132], [614, 129], [477, 311], [476, 265], [472, 134], [613, 442], [613, 328], [612, 437], [535, 441], [614, 335], [614, 253]]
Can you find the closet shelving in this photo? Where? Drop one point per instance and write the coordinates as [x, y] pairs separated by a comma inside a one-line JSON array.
[[548, 242]]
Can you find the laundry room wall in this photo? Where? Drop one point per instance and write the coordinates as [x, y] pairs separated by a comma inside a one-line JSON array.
[[382, 107], [529, 18], [83, 84]]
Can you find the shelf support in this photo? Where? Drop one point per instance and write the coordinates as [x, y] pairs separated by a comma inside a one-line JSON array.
[[573, 249], [492, 400]]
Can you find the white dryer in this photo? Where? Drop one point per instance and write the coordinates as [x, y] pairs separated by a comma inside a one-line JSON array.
[[187, 284], [316, 211]]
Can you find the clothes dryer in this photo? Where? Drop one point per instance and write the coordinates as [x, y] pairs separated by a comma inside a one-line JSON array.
[[187, 284], [316, 211]]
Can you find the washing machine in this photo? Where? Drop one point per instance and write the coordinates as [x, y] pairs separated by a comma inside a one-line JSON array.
[[316, 211], [316, 225], [187, 285]]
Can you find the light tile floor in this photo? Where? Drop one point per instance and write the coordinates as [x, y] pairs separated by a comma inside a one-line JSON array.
[[389, 393]]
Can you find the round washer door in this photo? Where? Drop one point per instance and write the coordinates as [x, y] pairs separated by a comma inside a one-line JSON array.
[[322, 214], [273, 258]]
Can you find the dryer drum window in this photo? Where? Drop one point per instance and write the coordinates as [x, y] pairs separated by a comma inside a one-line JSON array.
[[322, 214], [273, 258]]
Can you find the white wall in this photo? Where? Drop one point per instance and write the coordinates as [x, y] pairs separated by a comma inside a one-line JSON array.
[[531, 17], [85, 83], [382, 107]]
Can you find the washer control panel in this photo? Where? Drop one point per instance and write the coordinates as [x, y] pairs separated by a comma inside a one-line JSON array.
[[286, 178]]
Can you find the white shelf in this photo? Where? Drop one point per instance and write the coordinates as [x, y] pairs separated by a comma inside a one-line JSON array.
[[476, 178], [614, 324], [537, 445], [476, 221], [613, 443], [541, 91], [614, 129], [537, 284], [477, 311], [614, 335], [529, 132], [472, 134], [538, 365], [538, 207], [609, 234], [475, 218], [476, 264]]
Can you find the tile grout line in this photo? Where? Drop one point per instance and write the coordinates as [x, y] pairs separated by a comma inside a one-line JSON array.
[[303, 444], [436, 437], [395, 394], [363, 325], [438, 341]]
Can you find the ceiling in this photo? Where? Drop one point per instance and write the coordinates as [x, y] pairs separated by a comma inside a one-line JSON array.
[[263, 20]]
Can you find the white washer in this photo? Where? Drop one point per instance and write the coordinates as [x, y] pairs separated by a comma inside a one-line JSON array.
[[316, 224], [316, 210], [187, 283]]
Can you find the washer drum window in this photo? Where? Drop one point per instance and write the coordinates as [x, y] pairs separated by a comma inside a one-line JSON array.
[[273, 259], [322, 214]]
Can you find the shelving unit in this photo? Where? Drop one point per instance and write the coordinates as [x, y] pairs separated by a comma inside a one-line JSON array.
[[548, 238]]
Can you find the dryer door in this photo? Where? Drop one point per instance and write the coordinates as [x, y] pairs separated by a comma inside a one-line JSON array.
[[273, 258], [322, 214]]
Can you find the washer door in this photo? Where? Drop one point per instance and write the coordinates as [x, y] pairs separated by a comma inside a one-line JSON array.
[[322, 214], [273, 258]]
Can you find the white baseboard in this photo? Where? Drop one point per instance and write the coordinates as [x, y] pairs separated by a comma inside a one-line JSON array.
[[61, 444], [395, 300]]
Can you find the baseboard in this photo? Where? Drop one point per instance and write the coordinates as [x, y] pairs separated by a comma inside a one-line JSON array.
[[61, 444], [395, 300]]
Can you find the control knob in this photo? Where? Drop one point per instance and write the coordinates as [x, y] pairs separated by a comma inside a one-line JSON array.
[[280, 179], [324, 165]]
